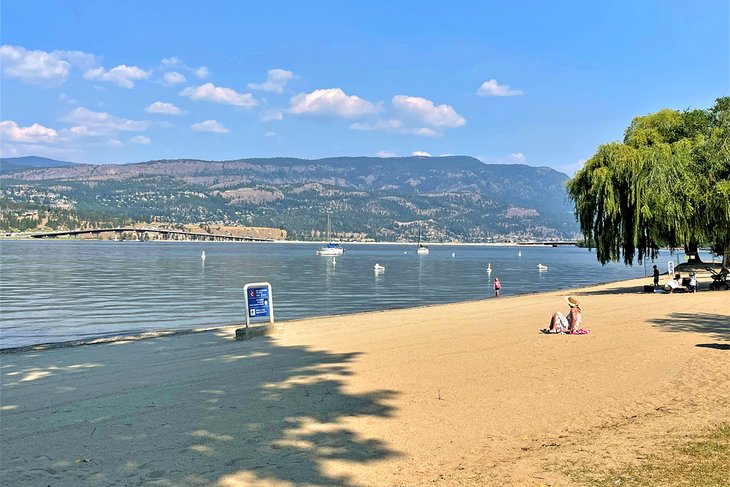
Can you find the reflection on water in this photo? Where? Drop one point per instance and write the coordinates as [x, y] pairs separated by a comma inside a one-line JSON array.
[[65, 290]]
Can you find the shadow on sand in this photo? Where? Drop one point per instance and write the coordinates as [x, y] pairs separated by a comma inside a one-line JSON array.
[[716, 326], [716, 346], [623, 289], [187, 411]]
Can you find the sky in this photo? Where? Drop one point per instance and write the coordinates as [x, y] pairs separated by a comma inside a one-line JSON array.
[[533, 82]]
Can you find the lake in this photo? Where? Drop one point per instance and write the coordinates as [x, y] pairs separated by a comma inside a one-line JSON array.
[[52, 291]]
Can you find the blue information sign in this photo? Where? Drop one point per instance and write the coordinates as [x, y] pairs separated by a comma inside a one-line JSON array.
[[259, 301]]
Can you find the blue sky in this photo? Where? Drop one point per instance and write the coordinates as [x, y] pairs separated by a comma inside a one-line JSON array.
[[540, 83]]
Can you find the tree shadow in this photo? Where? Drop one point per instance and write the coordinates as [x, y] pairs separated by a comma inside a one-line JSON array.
[[623, 289], [717, 346], [713, 325], [241, 413]]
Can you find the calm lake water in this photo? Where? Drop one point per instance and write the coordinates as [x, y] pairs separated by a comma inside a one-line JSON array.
[[53, 291]]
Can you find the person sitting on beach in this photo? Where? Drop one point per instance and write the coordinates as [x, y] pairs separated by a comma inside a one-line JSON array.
[[672, 284], [692, 286], [560, 323]]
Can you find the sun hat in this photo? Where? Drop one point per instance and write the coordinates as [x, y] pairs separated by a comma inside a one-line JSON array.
[[573, 302]]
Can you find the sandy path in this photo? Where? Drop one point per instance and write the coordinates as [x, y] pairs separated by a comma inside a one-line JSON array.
[[463, 394]]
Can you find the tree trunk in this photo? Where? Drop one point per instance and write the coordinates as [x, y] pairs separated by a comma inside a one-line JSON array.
[[726, 256], [692, 252]]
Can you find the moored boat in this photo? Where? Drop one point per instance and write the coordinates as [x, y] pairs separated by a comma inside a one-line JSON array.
[[332, 248]]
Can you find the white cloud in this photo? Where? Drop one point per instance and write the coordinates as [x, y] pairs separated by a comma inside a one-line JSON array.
[[271, 115], [177, 64], [173, 78], [78, 59], [122, 75], [333, 102], [84, 131], [518, 157], [276, 81], [513, 158], [201, 72], [385, 153], [33, 66], [140, 139], [420, 153], [64, 97], [493, 88], [425, 111], [571, 169], [209, 126], [41, 67], [34, 134], [217, 94], [271, 134], [164, 108], [172, 62], [102, 122], [394, 126], [415, 116]]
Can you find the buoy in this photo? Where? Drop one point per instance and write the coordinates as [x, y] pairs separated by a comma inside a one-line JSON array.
[[489, 268], [519, 253], [334, 260], [202, 255], [453, 254]]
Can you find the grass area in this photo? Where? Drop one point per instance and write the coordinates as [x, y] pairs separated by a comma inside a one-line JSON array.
[[701, 461]]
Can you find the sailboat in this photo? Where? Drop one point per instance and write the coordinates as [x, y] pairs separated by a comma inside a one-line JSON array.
[[421, 249], [332, 248]]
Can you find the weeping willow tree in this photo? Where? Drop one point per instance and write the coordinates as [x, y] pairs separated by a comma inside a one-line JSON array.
[[666, 184]]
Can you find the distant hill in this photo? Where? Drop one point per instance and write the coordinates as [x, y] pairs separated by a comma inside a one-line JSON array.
[[457, 197], [14, 164]]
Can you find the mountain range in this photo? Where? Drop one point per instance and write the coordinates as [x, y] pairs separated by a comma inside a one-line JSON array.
[[455, 197]]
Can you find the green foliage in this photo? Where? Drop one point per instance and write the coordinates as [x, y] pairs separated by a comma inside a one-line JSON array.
[[668, 183]]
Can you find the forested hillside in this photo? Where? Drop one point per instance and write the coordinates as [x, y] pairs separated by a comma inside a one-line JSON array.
[[456, 197]]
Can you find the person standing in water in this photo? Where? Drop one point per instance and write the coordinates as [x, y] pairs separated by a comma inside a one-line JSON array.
[[497, 287]]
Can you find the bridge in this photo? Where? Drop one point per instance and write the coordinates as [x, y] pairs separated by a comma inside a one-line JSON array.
[[554, 244], [163, 234]]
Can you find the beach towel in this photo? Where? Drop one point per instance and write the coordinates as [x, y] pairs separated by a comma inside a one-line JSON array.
[[579, 331]]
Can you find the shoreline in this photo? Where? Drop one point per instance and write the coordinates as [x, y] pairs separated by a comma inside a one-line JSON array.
[[466, 393], [150, 334], [307, 242]]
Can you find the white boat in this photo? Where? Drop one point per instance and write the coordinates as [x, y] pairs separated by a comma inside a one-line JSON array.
[[332, 248], [421, 249], [541, 267], [378, 268]]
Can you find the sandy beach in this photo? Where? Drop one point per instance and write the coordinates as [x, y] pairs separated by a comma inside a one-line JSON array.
[[460, 394]]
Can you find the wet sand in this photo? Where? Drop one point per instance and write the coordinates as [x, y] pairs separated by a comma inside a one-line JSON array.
[[458, 394]]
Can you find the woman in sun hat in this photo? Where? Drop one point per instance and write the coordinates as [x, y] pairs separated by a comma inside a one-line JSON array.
[[560, 323]]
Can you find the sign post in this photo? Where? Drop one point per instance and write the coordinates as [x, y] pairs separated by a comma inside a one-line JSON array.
[[670, 268], [259, 301]]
